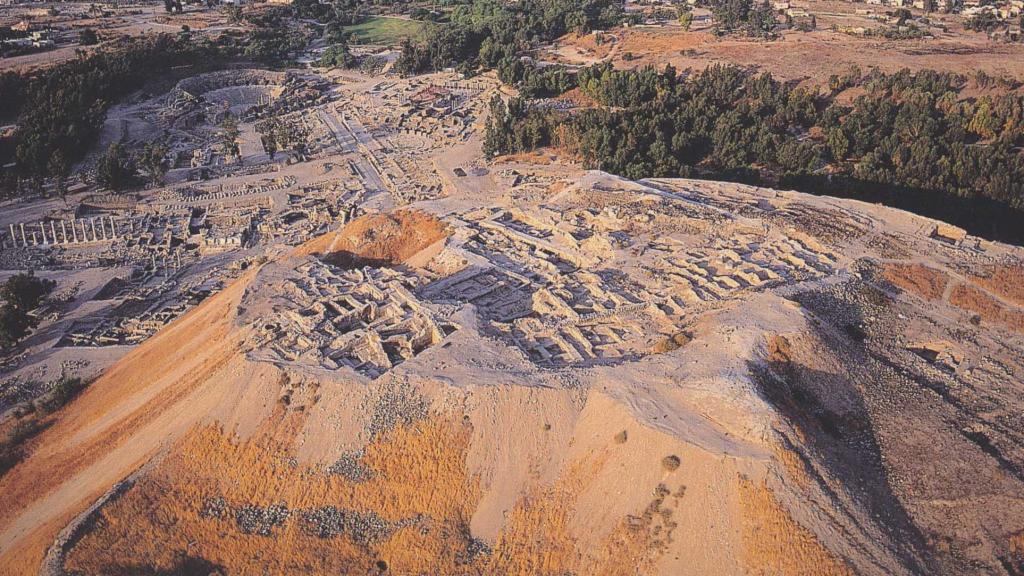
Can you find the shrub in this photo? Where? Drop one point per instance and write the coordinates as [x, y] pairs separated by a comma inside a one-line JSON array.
[[670, 463], [64, 391], [88, 37]]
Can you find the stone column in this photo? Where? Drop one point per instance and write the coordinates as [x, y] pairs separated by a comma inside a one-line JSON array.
[[35, 239], [53, 232], [113, 229], [85, 235], [24, 240], [42, 231], [63, 231], [92, 221], [14, 239]]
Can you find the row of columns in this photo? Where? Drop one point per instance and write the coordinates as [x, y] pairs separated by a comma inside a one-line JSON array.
[[70, 232], [175, 261]]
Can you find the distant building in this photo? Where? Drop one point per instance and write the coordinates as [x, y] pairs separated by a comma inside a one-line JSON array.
[[948, 233]]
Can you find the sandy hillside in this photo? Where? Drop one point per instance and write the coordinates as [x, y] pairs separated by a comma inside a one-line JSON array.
[[716, 379]]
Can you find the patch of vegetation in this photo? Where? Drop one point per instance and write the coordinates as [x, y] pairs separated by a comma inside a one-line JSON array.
[[13, 91], [88, 37], [909, 141], [755, 18], [184, 565], [486, 32], [22, 293], [116, 168], [32, 417], [338, 56], [534, 82], [62, 391], [907, 32], [12, 448], [274, 44], [983, 22], [386, 30], [276, 135]]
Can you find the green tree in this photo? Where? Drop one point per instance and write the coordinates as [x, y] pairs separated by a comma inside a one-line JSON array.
[[334, 33], [338, 56], [88, 37], [269, 145], [14, 326], [116, 169], [153, 160], [234, 13], [229, 136], [761, 22], [22, 293], [731, 14], [685, 19], [498, 128], [60, 170]]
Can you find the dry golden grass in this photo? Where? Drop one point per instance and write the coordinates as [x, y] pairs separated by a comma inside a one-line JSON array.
[[637, 543], [640, 41], [975, 300], [918, 279], [420, 470], [537, 540], [1007, 282], [774, 544]]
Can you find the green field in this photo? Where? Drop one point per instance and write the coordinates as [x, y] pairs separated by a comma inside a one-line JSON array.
[[385, 30]]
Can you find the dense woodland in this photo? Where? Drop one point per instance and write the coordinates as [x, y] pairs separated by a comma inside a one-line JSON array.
[[909, 140], [490, 33]]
